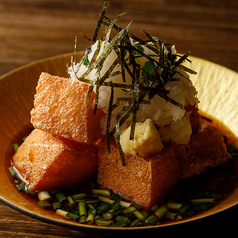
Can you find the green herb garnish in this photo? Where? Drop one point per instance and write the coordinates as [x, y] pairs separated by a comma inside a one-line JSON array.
[[147, 81], [86, 61]]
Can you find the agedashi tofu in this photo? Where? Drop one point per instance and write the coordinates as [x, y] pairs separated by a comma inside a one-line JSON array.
[[205, 150], [60, 108], [145, 181], [48, 162]]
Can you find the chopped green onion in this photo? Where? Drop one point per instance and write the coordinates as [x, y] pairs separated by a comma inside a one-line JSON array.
[[135, 223], [21, 186], [91, 206], [92, 201], [101, 218], [217, 196], [103, 192], [82, 208], [31, 192], [139, 215], [90, 218], [71, 201], [161, 211], [154, 208], [174, 205], [116, 206], [104, 199], [93, 211], [57, 205], [115, 197], [82, 219], [201, 207], [203, 200], [44, 204], [129, 210], [104, 207], [23, 138], [118, 224], [144, 213], [60, 197], [79, 196], [122, 219], [96, 195], [107, 215], [103, 223], [125, 204], [185, 209], [111, 211], [72, 216], [15, 146], [119, 213], [137, 206], [44, 196], [61, 212], [174, 216], [191, 213], [151, 220], [13, 172]]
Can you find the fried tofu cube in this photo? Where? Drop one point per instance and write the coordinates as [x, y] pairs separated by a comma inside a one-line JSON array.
[[205, 150], [60, 108], [194, 118], [145, 181], [48, 162]]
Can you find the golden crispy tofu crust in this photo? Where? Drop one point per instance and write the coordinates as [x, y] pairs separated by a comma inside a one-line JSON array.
[[205, 150], [60, 108], [147, 181], [144, 181], [49, 162], [194, 118]]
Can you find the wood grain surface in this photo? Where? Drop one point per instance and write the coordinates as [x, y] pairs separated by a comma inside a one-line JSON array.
[[36, 29]]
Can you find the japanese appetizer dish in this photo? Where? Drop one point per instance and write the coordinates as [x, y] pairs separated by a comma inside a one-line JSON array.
[[116, 142]]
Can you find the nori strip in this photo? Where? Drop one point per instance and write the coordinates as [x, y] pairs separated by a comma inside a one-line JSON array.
[[161, 67], [108, 137], [135, 107], [99, 23]]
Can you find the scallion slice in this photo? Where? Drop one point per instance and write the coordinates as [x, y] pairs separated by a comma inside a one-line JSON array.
[[44, 196], [45, 205]]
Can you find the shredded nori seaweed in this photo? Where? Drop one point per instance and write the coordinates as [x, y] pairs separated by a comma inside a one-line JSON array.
[[147, 81]]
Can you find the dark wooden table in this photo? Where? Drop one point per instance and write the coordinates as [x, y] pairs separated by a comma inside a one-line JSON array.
[[35, 29]]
